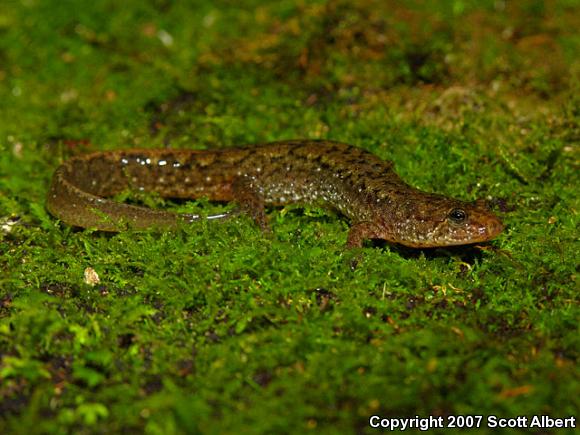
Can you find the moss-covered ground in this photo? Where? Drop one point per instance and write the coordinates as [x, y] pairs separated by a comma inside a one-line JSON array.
[[219, 328]]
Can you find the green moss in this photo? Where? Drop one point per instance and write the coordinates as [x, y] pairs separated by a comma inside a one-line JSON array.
[[220, 328]]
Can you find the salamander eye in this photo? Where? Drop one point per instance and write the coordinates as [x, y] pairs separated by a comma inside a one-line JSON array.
[[457, 215]]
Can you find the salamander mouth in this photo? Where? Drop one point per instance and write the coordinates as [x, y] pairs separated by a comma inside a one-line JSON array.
[[484, 233]]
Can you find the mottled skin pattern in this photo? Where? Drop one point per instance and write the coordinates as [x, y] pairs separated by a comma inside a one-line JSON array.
[[358, 184]]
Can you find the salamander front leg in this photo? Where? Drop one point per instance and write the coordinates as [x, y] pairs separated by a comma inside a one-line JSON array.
[[360, 232], [250, 201]]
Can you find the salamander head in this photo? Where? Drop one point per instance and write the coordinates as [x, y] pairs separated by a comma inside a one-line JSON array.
[[436, 221]]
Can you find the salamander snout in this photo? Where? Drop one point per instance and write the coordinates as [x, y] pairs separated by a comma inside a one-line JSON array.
[[492, 227]]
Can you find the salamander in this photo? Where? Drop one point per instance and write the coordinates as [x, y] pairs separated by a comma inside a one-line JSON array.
[[356, 183]]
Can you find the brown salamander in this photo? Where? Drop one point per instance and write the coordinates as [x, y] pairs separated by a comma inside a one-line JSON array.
[[355, 182]]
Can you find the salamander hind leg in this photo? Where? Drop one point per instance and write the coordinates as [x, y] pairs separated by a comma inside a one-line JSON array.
[[250, 201]]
